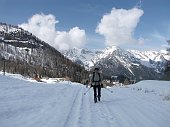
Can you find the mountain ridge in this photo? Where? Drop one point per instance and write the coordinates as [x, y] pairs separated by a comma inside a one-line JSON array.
[[115, 59]]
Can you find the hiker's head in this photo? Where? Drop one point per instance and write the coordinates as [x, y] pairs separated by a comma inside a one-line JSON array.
[[96, 69]]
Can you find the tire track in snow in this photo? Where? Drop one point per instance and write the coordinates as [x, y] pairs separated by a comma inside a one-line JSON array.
[[85, 111], [74, 113]]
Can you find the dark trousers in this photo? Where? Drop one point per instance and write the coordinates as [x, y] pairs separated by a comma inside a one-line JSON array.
[[95, 88]]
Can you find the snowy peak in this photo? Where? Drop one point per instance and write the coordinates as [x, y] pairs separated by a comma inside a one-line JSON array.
[[150, 55], [81, 56], [150, 58], [9, 28], [116, 51], [111, 49], [77, 53], [107, 52]]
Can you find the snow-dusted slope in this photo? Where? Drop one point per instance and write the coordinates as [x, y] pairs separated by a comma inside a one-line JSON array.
[[28, 104]]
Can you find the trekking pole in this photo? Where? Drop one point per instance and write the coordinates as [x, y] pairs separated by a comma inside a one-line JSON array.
[[109, 90], [87, 91]]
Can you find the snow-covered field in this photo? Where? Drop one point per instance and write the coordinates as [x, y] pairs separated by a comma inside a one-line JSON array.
[[34, 104]]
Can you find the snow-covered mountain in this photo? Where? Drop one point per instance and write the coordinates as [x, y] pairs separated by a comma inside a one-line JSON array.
[[26, 54], [114, 60]]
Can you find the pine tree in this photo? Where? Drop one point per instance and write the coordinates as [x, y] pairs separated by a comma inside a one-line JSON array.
[[167, 66]]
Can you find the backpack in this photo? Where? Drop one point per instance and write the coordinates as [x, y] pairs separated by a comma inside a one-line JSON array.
[[93, 77]]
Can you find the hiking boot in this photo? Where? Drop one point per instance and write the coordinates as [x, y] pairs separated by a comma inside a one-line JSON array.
[[95, 99], [98, 98]]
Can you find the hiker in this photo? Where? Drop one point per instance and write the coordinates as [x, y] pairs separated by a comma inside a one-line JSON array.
[[126, 82], [96, 84]]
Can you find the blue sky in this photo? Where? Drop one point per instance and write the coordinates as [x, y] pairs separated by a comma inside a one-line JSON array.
[[149, 24]]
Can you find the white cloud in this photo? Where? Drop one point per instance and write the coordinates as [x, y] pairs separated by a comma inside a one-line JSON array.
[[118, 26], [43, 26]]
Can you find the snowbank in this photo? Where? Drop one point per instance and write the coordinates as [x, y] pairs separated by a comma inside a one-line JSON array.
[[160, 88]]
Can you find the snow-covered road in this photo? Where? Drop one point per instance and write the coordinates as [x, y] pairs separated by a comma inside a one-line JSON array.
[[30, 104]]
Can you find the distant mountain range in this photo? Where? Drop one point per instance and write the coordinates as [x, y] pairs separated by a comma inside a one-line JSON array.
[[26, 54], [116, 61]]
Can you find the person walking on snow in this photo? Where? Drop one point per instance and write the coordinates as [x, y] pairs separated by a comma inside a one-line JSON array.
[[96, 84]]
